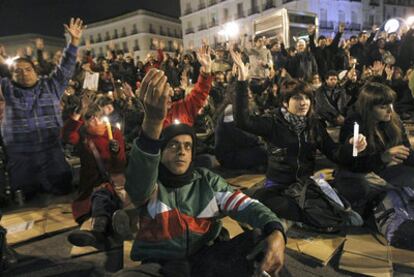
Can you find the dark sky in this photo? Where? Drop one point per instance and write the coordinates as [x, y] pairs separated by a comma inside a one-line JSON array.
[[47, 16]]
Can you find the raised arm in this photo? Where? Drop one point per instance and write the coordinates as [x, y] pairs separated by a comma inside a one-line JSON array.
[[61, 76], [253, 124], [142, 171]]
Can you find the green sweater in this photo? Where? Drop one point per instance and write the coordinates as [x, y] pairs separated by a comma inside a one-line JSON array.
[[176, 222]]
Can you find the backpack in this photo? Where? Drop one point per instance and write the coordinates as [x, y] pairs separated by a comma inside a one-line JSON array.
[[322, 207], [394, 217]]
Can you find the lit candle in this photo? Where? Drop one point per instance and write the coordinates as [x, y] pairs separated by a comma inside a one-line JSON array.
[[176, 121], [110, 94], [118, 125], [356, 135], [108, 127]]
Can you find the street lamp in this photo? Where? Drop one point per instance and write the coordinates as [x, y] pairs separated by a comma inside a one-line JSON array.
[[230, 30]]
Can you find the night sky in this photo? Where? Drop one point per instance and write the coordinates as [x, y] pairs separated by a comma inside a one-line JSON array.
[[47, 16]]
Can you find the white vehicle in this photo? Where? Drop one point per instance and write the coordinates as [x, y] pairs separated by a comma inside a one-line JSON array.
[[289, 24]]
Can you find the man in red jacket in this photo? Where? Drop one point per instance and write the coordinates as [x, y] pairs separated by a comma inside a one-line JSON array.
[[186, 110], [100, 157]]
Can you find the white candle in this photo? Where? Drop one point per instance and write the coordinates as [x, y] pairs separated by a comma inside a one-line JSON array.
[[118, 125], [108, 127], [356, 135]]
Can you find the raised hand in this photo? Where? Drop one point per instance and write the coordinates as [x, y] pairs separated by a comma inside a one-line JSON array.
[[75, 29], [341, 27], [311, 29], [389, 70], [39, 44], [156, 95], [243, 71], [204, 58]]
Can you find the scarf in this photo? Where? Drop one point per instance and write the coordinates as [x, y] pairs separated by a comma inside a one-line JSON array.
[[170, 180], [296, 123], [98, 130]]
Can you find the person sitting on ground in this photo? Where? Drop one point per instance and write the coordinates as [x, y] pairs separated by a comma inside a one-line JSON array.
[[386, 164], [100, 157], [331, 100], [32, 121], [179, 205], [293, 134]]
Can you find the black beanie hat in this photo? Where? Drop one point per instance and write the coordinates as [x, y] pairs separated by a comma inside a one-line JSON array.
[[175, 130]]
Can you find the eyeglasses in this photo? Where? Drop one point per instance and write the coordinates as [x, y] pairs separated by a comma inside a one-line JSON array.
[[176, 146]]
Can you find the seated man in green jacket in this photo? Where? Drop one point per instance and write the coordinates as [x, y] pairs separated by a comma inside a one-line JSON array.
[[180, 206]]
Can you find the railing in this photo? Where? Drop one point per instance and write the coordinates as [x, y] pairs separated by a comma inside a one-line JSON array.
[[136, 48], [239, 15], [328, 25], [99, 39], [188, 11], [189, 31], [202, 27], [269, 5], [253, 10]]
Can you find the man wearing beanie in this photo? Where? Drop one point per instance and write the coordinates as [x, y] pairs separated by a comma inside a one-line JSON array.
[[180, 206]]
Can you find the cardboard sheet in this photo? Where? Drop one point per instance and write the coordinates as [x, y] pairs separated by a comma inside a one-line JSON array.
[[246, 181]]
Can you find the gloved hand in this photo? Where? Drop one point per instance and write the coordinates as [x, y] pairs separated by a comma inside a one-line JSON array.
[[114, 146]]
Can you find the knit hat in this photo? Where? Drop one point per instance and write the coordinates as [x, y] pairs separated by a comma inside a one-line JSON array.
[[174, 130]]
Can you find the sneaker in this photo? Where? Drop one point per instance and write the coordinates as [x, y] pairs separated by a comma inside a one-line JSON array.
[[82, 238], [121, 225]]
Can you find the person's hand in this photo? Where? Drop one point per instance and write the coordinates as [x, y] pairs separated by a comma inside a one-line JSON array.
[[311, 29], [396, 154], [155, 93], [374, 28], [75, 29], [389, 70], [274, 254], [127, 89], [341, 27], [161, 45], [361, 143], [204, 58], [340, 120], [114, 146], [243, 71], [39, 44], [75, 116], [283, 73]]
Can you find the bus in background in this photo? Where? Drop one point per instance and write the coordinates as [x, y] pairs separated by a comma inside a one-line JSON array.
[[290, 25]]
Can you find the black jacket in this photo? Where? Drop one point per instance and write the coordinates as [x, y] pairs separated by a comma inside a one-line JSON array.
[[368, 160], [290, 156], [330, 103]]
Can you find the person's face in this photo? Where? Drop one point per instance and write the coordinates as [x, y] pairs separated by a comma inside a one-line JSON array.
[[259, 43], [322, 42], [108, 109], [383, 113], [94, 121], [276, 47], [119, 57], [392, 38], [220, 78], [177, 155], [57, 57], [331, 81], [298, 104], [363, 38], [301, 46], [186, 60], [381, 43], [24, 74], [353, 41], [316, 80]]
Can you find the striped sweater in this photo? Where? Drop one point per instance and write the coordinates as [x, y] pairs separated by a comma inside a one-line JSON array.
[[177, 222]]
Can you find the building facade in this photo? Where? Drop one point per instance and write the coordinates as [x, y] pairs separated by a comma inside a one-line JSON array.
[[17, 45], [133, 32], [203, 19]]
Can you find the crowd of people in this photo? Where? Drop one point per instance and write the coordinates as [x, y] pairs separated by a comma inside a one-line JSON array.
[[152, 132]]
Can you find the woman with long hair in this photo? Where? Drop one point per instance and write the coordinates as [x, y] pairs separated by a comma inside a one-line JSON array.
[[294, 134], [387, 163]]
